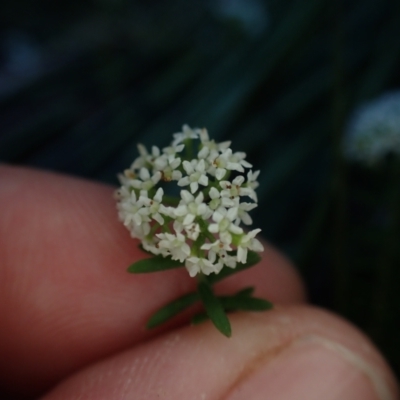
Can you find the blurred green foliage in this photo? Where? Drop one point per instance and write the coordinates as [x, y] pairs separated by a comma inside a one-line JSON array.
[[96, 77]]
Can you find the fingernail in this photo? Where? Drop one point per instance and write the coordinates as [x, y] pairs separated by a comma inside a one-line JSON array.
[[312, 368]]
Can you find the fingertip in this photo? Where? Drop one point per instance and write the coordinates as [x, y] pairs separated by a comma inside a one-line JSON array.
[[63, 274], [292, 353], [64, 256]]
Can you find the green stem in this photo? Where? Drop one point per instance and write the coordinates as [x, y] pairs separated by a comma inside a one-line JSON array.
[[153, 230], [196, 247], [204, 229], [213, 306]]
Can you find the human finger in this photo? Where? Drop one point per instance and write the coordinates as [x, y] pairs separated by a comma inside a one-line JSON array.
[[66, 297], [291, 353]]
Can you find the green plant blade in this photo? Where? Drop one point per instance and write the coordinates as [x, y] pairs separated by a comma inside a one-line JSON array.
[[236, 303], [170, 310], [154, 264], [199, 318], [239, 302], [214, 308], [252, 259], [246, 292]]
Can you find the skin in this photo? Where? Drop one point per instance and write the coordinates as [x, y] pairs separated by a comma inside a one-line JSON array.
[[72, 319]]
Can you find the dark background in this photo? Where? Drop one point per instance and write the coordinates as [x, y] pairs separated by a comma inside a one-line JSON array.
[[81, 82]]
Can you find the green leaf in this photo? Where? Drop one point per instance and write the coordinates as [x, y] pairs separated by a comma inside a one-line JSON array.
[[154, 264], [246, 292], [235, 303], [170, 310], [199, 318], [214, 308], [252, 259]]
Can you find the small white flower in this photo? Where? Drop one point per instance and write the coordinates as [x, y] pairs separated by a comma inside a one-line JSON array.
[[196, 175], [216, 246], [227, 259], [187, 133], [140, 231], [203, 234], [195, 265], [154, 206], [248, 242], [223, 223], [227, 161], [145, 159], [217, 201], [216, 262], [216, 250], [234, 189], [175, 245], [130, 209], [204, 137], [125, 178], [211, 144], [207, 153], [167, 165], [233, 161], [239, 157], [210, 150], [149, 246], [243, 215], [192, 231], [252, 179], [145, 181], [189, 208], [172, 150]]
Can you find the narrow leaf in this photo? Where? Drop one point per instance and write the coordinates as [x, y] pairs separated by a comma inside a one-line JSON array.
[[154, 264], [199, 318], [246, 292], [252, 259], [170, 310], [214, 308], [235, 303]]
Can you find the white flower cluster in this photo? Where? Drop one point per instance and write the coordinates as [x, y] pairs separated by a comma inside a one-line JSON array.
[[201, 228], [374, 130]]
